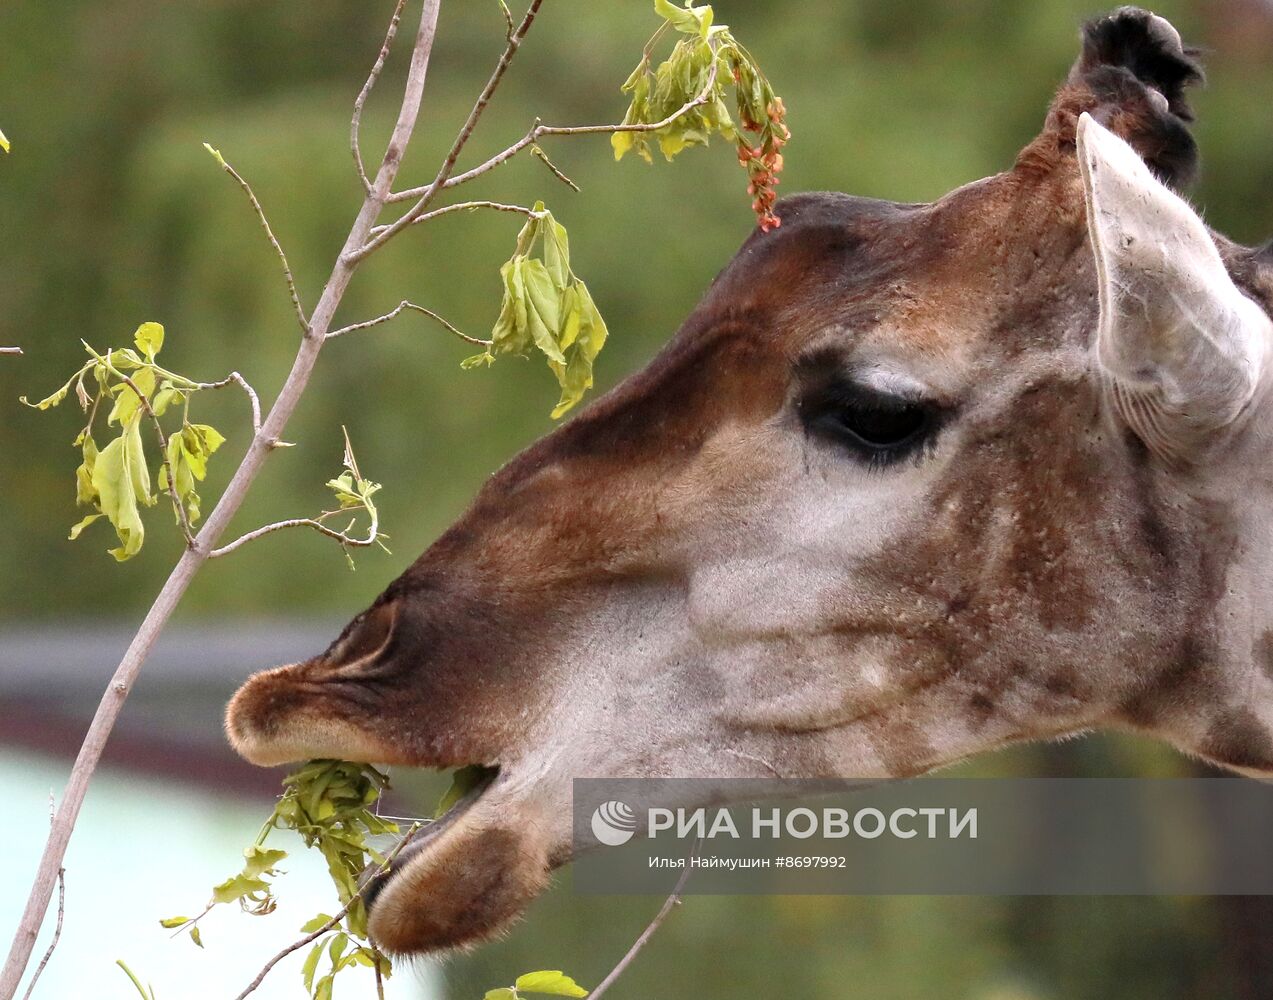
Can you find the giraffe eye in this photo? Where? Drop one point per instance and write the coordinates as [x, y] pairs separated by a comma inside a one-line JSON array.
[[876, 427]]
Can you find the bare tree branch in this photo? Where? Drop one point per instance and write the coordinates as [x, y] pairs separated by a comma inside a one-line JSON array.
[[671, 903], [269, 233], [355, 123], [334, 921], [538, 131], [192, 560], [397, 310], [466, 206], [466, 130]]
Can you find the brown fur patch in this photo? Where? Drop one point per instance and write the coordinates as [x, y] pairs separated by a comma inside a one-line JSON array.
[[1262, 652], [460, 891], [1237, 738]]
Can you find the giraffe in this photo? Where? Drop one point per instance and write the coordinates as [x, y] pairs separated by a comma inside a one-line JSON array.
[[911, 483]]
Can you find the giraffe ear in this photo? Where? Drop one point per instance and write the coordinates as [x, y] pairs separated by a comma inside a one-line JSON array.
[[1183, 348]]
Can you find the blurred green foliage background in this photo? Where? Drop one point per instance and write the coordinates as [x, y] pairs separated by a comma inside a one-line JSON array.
[[111, 214]]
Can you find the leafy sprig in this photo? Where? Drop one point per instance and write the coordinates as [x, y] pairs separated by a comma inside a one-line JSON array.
[[329, 804], [546, 307], [115, 479], [695, 76], [547, 983], [354, 494]]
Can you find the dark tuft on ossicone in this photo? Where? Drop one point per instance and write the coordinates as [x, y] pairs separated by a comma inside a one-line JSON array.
[[1146, 46], [1137, 71]]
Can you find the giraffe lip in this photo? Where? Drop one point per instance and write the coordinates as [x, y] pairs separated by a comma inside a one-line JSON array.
[[374, 883]]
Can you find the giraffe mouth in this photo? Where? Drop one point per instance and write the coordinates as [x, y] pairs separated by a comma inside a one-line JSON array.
[[471, 872], [479, 779]]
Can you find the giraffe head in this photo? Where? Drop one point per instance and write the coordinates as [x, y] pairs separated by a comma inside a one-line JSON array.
[[911, 483]]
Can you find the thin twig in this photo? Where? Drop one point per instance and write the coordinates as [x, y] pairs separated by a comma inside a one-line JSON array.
[[192, 922], [10, 350], [344, 910], [461, 139], [57, 933], [373, 533], [242, 383], [269, 233], [465, 206], [556, 171], [670, 904], [165, 603], [355, 123], [404, 304], [538, 131], [61, 914]]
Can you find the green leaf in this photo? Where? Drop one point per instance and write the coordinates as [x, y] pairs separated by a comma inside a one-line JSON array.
[[311, 964], [198, 442], [638, 113], [503, 993], [543, 312], [575, 376], [314, 923], [164, 398], [78, 527], [117, 498], [261, 861], [688, 19], [572, 316], [554, 983], [338, 945], [196, 937], [557, 251], [149, 338], [127, 403], [478, 360], [138, 474], [238, 887], [508, 336], [211, 438], [85, 491], [171, 922], [48, 402]]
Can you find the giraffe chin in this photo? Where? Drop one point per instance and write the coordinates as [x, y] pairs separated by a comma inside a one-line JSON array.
[[461, 880]]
